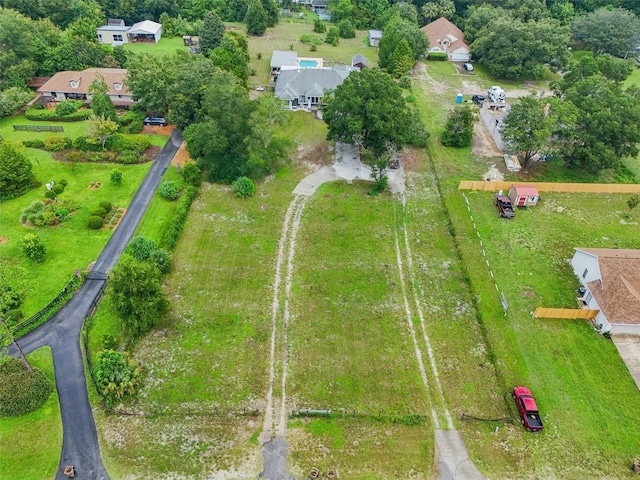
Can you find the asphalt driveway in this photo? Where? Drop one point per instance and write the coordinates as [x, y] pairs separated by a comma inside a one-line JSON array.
[[62, 332]]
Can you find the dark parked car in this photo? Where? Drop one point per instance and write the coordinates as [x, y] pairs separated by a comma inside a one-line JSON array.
[[155, 121], [504, 207], [478, 99]]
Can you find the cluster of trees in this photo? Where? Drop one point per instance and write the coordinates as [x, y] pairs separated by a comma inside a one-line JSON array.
[[592, 122], [368, 110], [40, 47]]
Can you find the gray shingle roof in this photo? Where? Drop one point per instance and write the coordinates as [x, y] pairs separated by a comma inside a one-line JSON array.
[[281, 58], [311, 82], [359, 58]]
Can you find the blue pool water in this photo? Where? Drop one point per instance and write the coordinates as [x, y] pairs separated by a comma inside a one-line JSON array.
[[308, 63]]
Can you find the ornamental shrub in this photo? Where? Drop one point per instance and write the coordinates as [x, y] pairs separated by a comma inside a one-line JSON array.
[[243, 187], [33, 248], [116, 376], [33, 208], [130, 158], [174, 230], [63, 182], [50, 194], [13, 316], [81, 143], [95, 222], [99, 212], [62, 213], [192, 175], [116, 177], [319, 26], [39, 115], [121, 143], [141, 248], [333, 36], [35, 143], [58, 189], [437, 56], [68, 107], [106, 205], [346, 29], [54, 144], [21, 391], [169, 190], [162, 259]]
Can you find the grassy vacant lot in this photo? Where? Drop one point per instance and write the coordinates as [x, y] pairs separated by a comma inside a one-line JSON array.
[[31, 444], [70, 245], [585, 391]]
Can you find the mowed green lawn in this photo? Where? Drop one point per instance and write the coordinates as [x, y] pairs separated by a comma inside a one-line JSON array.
[[71, 129], [212, 352], [166, 46], [587, 397], [71, 245], [30, 445]]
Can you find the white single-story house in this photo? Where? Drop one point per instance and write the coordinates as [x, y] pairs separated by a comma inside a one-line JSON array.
[[374, 37], [113, 33], [611, 281], [318, 5], [445, 37], [305, 87], [75, 85], [117, 33], [524, 195]]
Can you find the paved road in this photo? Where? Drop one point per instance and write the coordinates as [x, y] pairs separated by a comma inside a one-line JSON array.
[[80, 440]]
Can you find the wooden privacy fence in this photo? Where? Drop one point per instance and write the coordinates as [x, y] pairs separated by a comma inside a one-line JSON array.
[[572, 313], [552, 187]]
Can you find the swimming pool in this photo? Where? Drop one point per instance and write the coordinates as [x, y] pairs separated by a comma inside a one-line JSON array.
[[308, 63]]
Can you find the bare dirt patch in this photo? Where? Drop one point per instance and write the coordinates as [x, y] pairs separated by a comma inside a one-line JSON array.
[[95, 185], [410, 160], [182, 157], [435, 86], [483, 143], [152, 152], [314, 157], [3, 240], [158, 130]]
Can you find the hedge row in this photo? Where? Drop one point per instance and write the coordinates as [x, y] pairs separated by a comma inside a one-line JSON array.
[[437, 56], [116, 143], [177, 223], [38, 115]]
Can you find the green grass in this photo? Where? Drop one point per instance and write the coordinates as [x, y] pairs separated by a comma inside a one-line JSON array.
[[166, 46], [31, 444], [70, 245], [71, 129], [585, 392], [212, 351], [160, 211]]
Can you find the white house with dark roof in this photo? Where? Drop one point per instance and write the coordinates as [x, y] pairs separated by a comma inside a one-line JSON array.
[[611, 281], [305, 87]]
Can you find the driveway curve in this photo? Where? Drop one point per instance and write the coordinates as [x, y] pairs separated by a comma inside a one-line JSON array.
[[80, 446]]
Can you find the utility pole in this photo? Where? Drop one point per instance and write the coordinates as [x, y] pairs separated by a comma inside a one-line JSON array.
[[15, 344]]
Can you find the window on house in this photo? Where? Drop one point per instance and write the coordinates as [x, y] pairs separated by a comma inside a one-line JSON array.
[[117, 37], [100, 37], [584, 274]]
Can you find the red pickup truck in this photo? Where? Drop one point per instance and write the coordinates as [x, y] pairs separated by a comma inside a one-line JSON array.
[[528, 409]]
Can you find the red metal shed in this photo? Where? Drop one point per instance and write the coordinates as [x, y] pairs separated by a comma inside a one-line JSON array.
[[523, 195]]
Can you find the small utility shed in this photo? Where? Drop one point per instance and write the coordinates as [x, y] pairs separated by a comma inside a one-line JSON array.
[[524, 195], [374, 37]]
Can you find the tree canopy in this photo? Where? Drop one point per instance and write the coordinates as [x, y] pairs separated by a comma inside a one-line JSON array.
[[368, 110], [512, 48], [613, 31], [395, 32], [15, 170], [137, 295], [211, 33]]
